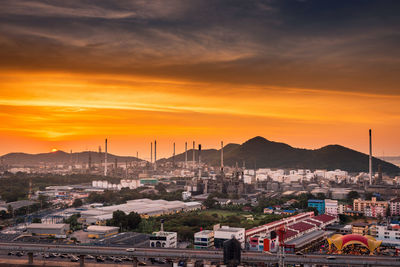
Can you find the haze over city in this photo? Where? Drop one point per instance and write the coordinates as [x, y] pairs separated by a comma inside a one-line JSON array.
[[307, 73]]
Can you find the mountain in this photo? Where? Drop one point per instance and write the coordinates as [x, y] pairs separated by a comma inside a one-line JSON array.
[[394, 160], [60, 157], [263, 153]]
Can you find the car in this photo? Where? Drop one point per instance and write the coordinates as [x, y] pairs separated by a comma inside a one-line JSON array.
[[130, 250], [117, 260], [100, 259], [142, 263], [162, 261], [299, 253], [331, 258], [74, 259]]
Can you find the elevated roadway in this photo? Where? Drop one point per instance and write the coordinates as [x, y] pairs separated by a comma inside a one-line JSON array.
[[211, 255]]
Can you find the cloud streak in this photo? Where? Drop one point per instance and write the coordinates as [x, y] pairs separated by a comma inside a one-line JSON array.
[[275, 68]]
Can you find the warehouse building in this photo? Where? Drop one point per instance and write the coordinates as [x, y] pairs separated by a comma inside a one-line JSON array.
[[97, 231], [44, 229]]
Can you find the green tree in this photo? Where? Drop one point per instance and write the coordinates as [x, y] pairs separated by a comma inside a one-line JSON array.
[[352, 195], [210, 202], [77, 203], [133, 220], [73, 222]]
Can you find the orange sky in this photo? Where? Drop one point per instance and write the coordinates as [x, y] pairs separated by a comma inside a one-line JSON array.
[[40, 111], [307, 73]]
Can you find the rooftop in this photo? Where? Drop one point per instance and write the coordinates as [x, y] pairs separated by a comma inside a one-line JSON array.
[[46, 226], [230, 229], [98, 228]]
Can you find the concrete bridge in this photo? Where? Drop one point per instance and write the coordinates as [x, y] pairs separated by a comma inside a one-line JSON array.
[[253, 258]]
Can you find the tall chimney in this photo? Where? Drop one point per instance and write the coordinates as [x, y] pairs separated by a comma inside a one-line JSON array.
[[162, 225], [186, 155], [137, 154], [155, 155], [370, 157], [194, 154], [173, 157], [151, 152], [101, 159], [105, 159], [222, 157], [90, 162], [199, 161]]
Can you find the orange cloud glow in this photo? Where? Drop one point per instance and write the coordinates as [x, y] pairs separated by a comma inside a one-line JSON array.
[[77, 111]]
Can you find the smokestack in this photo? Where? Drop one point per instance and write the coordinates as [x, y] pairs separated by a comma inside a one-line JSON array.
[[370, 157], [173, 157], [151, 152], [137, 154], [105, 159], [199, 160], [194, 154], [162, 225], [155, 155], [186, 155], [90, 162], [222, 157], [101, 160]]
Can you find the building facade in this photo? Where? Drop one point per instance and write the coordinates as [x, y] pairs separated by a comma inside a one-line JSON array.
[[204, 239], [225, 233], [163, 239], [318, 204], [331, 207], [395, 206], [97, 231], [361, 206]]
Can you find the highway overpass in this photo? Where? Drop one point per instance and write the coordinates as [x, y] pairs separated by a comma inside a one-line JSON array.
[[211, 255]]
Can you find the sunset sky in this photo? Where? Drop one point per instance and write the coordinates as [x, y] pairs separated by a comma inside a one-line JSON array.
[[307, 73]]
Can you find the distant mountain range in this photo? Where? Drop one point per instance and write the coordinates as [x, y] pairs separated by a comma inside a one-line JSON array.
[[257, 152], [60, 157], [394, 160], [261, 153]]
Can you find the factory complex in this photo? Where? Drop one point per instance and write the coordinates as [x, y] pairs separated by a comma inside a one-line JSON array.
[[99, 214]]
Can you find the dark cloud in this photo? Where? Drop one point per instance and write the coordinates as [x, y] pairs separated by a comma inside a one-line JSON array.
[[336, 45]]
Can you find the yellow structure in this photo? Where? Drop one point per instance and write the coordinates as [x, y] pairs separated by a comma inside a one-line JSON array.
[[342, 241]]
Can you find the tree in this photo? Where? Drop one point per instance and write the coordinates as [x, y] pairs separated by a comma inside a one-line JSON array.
[[369, 195], [77, 203], [352, 195], [209, 202], [73, 222], [314, 209], [133, 220]]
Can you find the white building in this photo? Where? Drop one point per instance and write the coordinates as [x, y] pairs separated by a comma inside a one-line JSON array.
[[163, 239], [390, 235], [225, 233], [204, 239], [331, 207]]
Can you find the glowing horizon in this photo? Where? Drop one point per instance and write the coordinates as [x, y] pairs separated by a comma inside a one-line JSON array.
[[135, 72]]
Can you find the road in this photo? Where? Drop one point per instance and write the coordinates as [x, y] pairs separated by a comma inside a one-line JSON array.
[[212, 255]]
